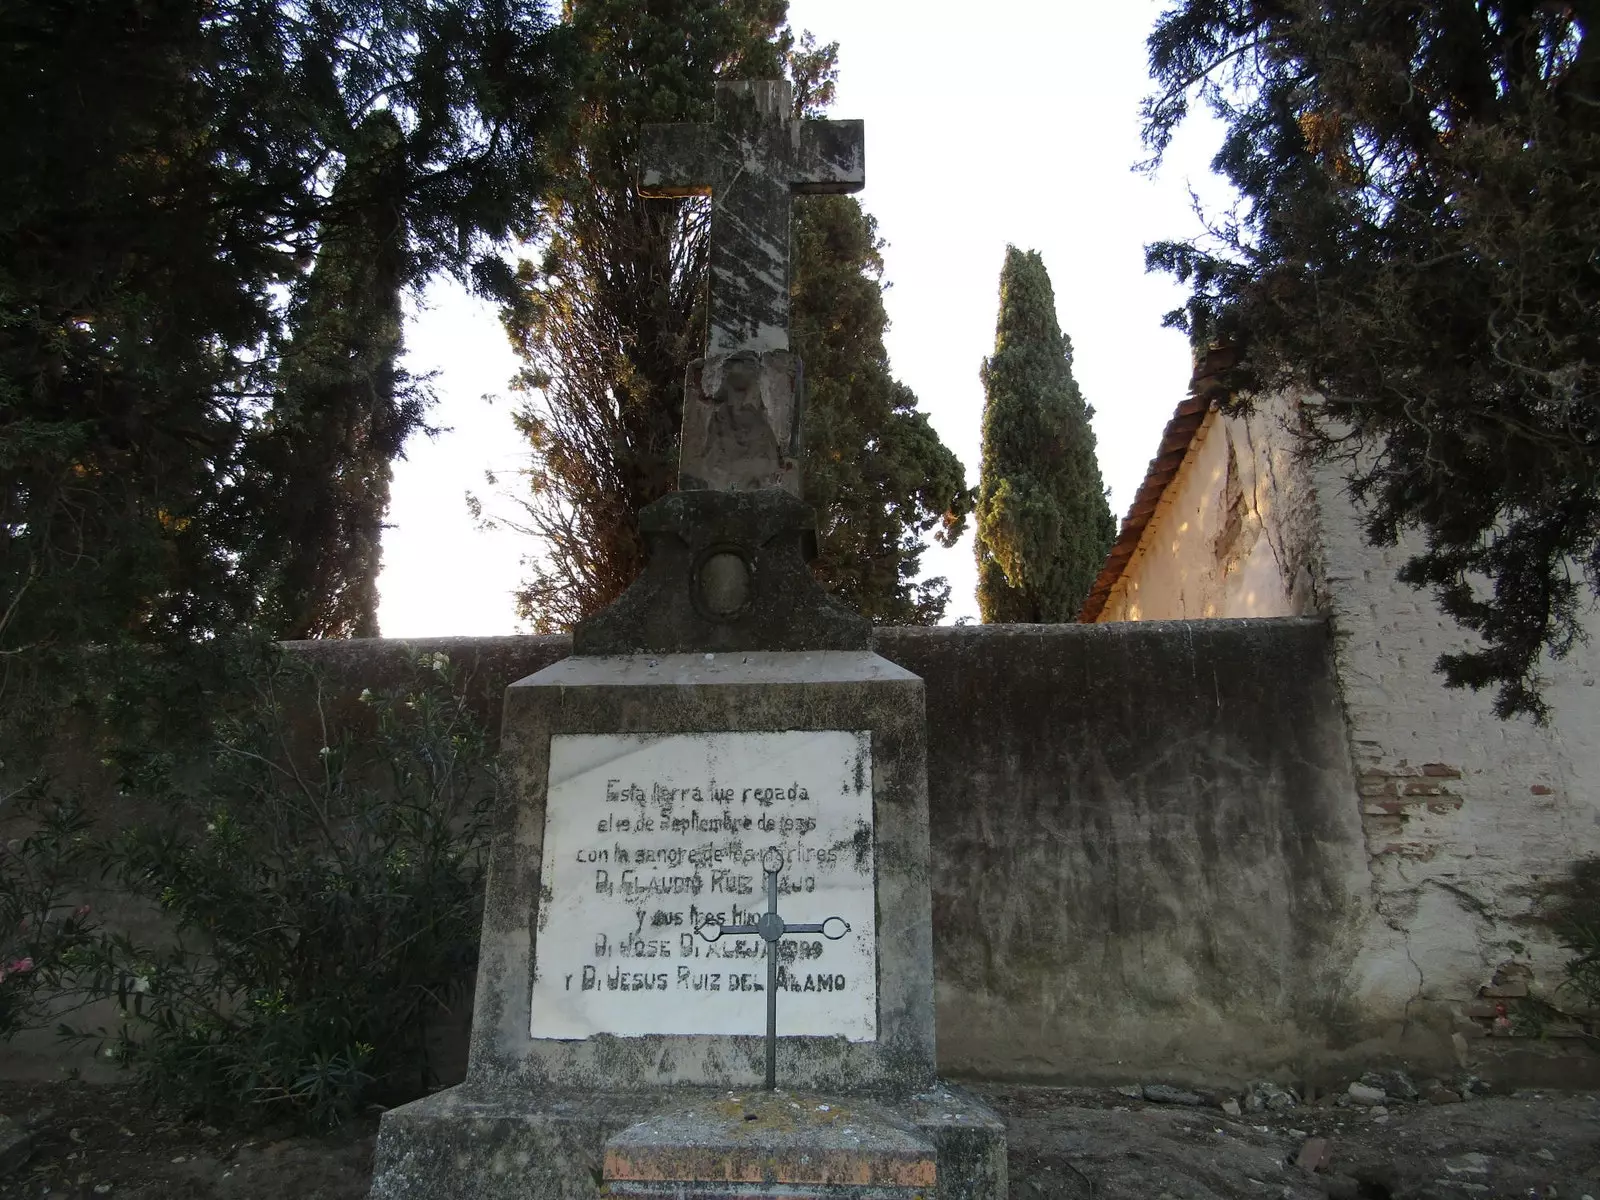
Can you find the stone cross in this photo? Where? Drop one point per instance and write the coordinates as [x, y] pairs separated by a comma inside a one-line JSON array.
[[771, 927], [741, 410], [751, 161]]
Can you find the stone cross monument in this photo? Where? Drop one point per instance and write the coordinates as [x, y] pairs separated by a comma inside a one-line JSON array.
[[722, 730], [729, 552], [741, 415]]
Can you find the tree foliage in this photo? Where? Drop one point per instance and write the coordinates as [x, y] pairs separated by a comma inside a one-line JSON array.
[[875, 470], [183, 168], [1418, 244], [611, 316], [343, 410], [1044, 525]]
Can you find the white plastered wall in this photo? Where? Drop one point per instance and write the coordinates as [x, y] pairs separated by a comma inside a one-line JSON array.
[[1232, 533], [1468, 819]]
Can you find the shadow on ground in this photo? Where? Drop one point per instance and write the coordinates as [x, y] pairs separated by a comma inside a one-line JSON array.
[[87, 1141]]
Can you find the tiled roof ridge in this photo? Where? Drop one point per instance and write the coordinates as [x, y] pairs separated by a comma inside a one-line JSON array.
[[1205, 388]]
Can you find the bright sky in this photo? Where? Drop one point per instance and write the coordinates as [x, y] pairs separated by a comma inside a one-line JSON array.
[[1014, 121]]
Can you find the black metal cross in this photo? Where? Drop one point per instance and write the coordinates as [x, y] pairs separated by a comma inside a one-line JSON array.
[[770, 926]]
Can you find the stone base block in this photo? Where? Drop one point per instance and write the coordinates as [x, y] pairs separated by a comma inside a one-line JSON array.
[[749, 1143], [461, 1145]]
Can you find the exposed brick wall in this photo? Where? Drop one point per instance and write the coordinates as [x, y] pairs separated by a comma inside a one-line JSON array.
[[1468, 819]]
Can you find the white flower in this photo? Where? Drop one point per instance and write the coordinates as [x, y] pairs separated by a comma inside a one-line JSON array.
[[441, 661], [366, 695], [324, 752]]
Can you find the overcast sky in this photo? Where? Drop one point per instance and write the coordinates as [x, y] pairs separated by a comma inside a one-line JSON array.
[[1011, 121]]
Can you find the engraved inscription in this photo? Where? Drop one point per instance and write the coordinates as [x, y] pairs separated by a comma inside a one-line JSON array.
[[649, 835]]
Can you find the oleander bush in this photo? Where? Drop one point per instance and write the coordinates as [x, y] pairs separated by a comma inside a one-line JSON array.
[[45, 932], [324, 880]]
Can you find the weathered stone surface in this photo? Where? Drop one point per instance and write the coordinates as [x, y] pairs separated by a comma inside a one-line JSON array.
[[1315, 1155], [970, 1138], [689, 694], [1122, 812], [550, 1145], [741, 423], [741, 406], [1161, 1093], [1363, 1094], [681, 601], [460, 1145], [1393, 1082], [798, 1140], [752, 160]]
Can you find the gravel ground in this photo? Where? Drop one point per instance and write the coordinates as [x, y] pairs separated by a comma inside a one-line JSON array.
[[1096, 1144]]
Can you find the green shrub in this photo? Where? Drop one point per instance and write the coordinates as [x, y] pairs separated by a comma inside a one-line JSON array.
[[326, 897], [1577, 927], [44, 933]]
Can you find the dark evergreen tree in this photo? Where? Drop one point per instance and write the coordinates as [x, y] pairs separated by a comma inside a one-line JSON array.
[[344, 408], [875, 470], [158, 207], [134, 274], [612, 315], [1418, 246], [1044, 525]]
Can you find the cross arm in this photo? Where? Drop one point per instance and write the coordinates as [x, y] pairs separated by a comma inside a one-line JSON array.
[[833, 928], [829, 157], [677, 160], [711, 931]]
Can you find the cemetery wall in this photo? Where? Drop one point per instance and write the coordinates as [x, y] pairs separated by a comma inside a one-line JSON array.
[[1147, 859], [1149, 856], [1468, 821], [1147, 852]]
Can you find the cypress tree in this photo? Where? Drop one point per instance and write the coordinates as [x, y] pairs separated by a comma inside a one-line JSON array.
[[1044, 525], [875, 470], [345, 408], [614, 312], [155, 220]]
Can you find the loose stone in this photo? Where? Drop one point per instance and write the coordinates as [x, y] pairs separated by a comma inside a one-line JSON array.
[[1160, 1093], [1315, 1155]]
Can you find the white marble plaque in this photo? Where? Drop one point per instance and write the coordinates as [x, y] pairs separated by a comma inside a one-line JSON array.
[[648, 834]]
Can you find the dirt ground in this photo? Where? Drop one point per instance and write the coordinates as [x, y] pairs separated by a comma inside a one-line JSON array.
[[1086, 1144]]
